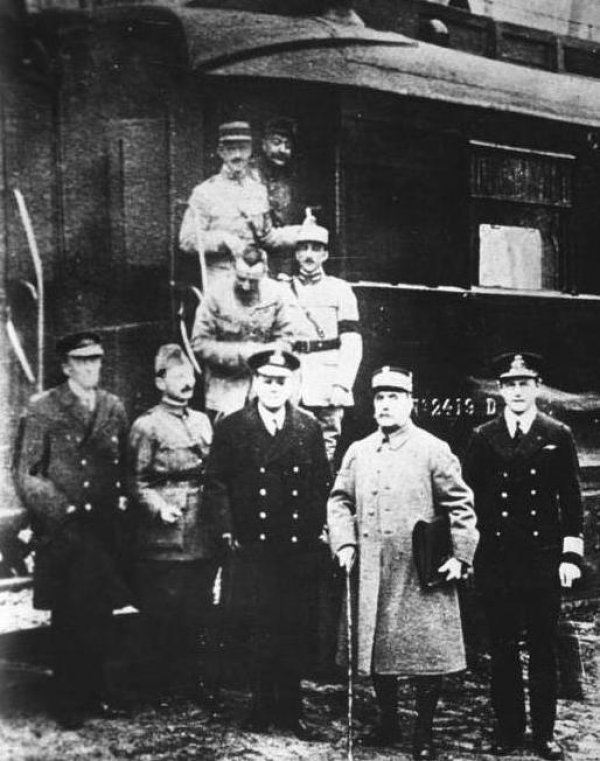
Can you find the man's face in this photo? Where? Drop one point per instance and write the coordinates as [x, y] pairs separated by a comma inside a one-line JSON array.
[[85, 371], [247, 279], [177, 383], [519, 394], [235, 155], [392, 408], [273, 391], [277, 149], [310, 256]]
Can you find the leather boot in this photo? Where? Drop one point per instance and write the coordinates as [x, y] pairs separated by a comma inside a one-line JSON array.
[[428, 693], [387, 732]]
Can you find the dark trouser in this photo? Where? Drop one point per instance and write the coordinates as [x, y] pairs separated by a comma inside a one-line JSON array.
[[534, 612], [81, 638], [175, 601], [427, 689]]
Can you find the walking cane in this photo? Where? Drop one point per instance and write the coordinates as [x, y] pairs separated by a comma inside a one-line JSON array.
[[349, 632]]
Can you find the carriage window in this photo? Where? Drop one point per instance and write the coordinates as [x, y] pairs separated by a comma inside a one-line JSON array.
[[519, 205]]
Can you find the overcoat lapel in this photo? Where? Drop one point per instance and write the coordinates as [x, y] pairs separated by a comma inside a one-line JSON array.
[[499, 438], [266, 448], [73, 408], [533, 440], [100, 415]]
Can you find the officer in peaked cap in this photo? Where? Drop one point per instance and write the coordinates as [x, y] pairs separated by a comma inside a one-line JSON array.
[[175, 550], [267, 481], [387, 482], [72, 479], [231, 209], [523, 469]]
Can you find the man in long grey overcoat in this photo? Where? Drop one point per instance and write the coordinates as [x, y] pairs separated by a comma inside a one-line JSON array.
[[387, 482]]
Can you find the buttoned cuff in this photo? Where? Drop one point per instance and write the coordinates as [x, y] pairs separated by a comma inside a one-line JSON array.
[[573, 544]]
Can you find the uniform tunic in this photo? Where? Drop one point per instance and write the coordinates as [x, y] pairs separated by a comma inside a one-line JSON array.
[[168, 448], [270, 493], [72, 480], [227, 331], [380, 492]]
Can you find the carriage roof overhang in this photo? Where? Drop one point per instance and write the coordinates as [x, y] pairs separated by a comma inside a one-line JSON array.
[[312, 49]]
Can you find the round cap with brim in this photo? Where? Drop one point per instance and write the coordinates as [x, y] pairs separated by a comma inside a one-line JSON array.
[[169, 355], [273, 362], [516, 365], [232, 131], [82, 344], [310, 232], [392, 378]]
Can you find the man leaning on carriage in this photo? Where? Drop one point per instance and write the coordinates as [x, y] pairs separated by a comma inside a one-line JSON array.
[[146, 516]]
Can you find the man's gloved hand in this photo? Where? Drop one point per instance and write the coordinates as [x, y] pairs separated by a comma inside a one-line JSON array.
[[230, 542], [453, 568], [346, 557], [568, 573], [170, 513]]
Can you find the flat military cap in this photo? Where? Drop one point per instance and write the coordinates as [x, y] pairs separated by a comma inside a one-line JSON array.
[[273, 362], [281, 126], [168, 355], [230, 131], [83, 344], [513, 365], [389, 378], [310, 232]]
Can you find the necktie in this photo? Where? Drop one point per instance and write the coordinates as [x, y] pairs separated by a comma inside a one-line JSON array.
[[518, 434]]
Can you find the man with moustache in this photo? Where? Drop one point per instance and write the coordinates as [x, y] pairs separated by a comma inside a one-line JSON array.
[[523, 469], [387, 482], [175, 549], [238, 319], [230, 210], [266, 487], [72, 480], [327, 334]]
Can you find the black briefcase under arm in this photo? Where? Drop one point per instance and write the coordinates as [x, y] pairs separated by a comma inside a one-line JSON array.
[[431, 548]]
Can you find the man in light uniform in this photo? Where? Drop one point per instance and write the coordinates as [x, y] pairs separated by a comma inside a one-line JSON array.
[[231, 209], [524, 471], [242, 316], [326, 333], [176, 549], [388, 481]]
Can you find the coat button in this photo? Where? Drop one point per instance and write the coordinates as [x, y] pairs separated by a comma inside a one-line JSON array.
[[371, 512], [365, 533], [498, 533], [536, 533], [71, 509], [374, 491], [262, 492], [504, 495], [533, 471], [504, 514], [87, 507], [533, 492], [505, 474], [294, 539], [295, 516], [86, 484], [118, 484], [262, 470], [294, 492], [533, 512], [262, 515], [262, 537], [296, 469], [84, 462], [116, 461]]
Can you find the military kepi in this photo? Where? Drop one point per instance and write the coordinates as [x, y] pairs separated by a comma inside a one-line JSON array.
[[233, 131], [82, 344], [273, 362], [511, 366], [390, 378], [168, 355]]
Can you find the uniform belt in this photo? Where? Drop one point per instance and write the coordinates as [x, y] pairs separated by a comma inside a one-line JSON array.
[[306, 347]]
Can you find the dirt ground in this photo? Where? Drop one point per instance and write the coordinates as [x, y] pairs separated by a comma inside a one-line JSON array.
[[177, 730]]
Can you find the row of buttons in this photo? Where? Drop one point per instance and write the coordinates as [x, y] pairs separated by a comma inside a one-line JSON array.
[[263, 492], [504, 494], [262, 515], [295, 469], [534, 533], [532, 471], [263, 538]]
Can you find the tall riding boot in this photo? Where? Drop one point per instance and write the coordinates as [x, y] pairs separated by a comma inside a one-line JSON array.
[[387, 732], [428, 693]]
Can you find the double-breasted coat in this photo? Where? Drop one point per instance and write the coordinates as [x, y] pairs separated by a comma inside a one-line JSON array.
[[71, 473], [527, 499], [270, 493], [382, 489]]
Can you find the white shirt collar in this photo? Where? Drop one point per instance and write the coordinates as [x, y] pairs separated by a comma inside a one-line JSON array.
[[525, 420], [273, 420]]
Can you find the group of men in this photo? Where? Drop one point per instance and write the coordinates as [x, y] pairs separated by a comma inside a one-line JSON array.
[[260, 489], [279, 344]]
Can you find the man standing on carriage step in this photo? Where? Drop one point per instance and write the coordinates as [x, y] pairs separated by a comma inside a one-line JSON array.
[[267, 481], [176, 550], [72, 480], [231, 209], [327, 336], [240, 317], [523, 469], [387, 482]]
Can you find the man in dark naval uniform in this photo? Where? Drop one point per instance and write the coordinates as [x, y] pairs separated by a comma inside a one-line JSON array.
[[72, 480], [523, 469], [266, 487]]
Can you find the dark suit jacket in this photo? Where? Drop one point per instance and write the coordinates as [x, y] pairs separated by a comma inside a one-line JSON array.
[[71, 475], [527, 499]]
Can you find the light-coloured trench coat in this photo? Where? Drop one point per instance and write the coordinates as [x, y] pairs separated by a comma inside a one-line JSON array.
[[382, 489]]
